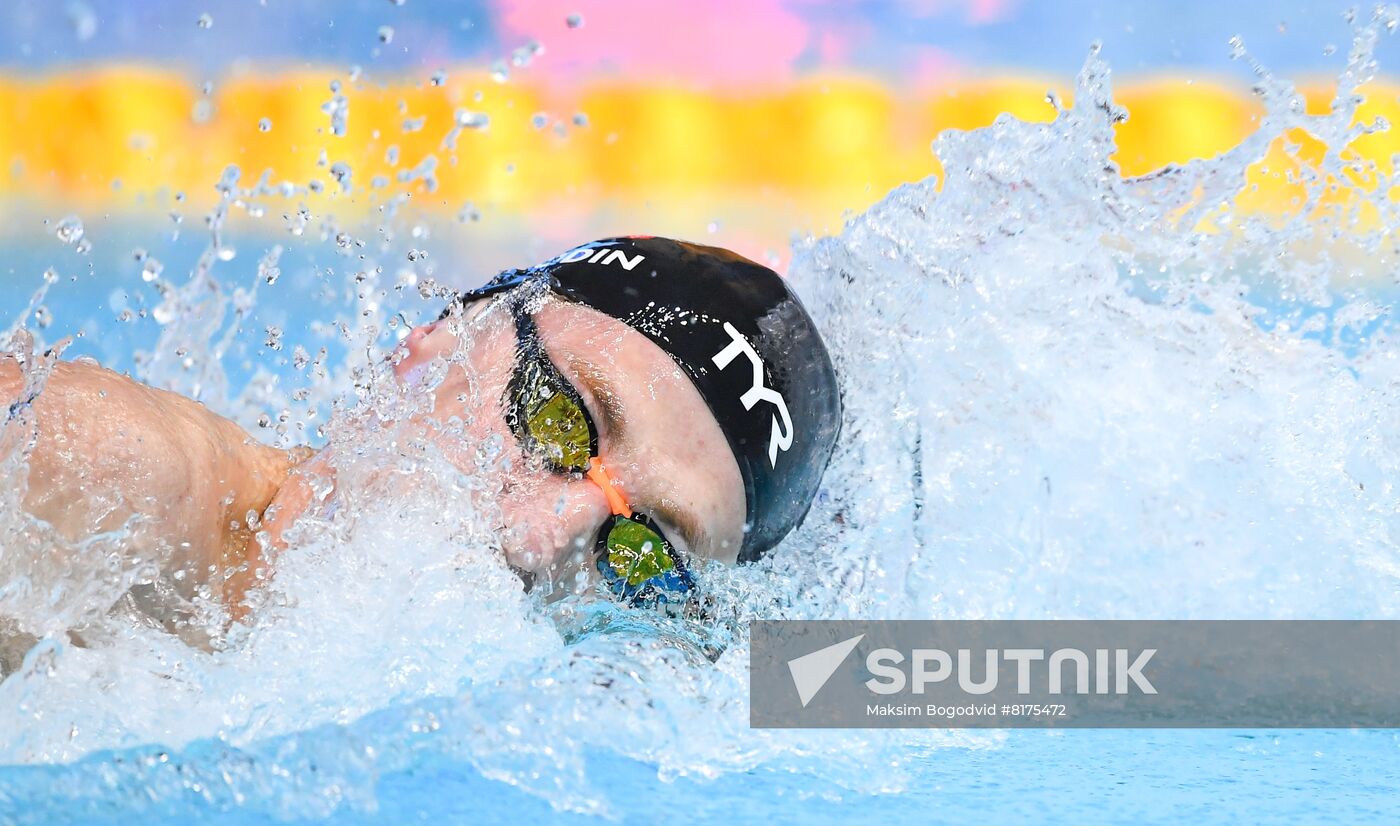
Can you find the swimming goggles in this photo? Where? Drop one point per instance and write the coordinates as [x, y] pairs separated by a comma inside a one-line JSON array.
[[547, 414]]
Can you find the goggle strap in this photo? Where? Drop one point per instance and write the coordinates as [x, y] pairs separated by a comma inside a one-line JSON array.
[[598, 475]]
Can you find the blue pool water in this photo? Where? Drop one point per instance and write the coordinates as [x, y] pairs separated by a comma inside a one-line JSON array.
[[1077, 776], [1068, 395]]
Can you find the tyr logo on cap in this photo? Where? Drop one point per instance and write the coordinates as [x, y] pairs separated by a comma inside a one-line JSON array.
[[781, 438]]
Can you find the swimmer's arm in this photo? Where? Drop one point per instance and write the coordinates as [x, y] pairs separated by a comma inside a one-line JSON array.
[[109, 448], [306, 489]]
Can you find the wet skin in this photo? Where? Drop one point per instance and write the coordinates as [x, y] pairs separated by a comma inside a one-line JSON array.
[[110, 447]]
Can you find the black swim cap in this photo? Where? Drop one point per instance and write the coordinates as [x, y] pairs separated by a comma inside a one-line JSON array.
[[747, 344]]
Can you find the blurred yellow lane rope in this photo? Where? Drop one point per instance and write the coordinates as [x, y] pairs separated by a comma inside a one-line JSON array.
[[121, 136]]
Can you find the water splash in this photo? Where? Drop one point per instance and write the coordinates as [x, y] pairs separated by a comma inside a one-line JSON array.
[[1070, 402], [1068, 394]]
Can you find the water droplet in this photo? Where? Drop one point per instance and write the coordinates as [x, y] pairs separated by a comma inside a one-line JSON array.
[[151, 270], [267, 267], [386, 34], [83, 247], [524, 55], [69, 230], [264, 420], [580, 119], [473, 120], [340, 171], [42, 317], [265, 125], [414, 124], [439, 78], [338, 108], [574, 21], [498, 71], [539, 120], [83, 20], [274, 338], [206, 21], [414, 255]]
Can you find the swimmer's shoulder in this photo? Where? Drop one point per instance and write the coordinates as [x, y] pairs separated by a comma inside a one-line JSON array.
[[78, 378], [117, 422]]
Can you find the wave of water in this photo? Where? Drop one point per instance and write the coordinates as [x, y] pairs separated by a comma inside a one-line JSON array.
[[1068, 395]]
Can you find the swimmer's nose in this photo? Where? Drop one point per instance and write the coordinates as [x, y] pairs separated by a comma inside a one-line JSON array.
[[419, 334], [417, 349]]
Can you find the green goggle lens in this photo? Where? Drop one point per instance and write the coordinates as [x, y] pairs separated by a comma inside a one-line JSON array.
[[636, 552], [554, 423]]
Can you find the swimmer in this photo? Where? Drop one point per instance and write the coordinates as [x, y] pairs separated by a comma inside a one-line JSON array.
[[668, 402]]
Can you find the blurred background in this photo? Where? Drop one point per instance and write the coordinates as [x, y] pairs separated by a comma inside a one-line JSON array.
[[496, 133]]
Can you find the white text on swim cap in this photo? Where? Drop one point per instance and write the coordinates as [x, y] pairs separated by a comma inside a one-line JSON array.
[[782, 433], [601, 255]]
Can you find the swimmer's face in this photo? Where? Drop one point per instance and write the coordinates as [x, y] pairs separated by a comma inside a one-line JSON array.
[[655, 434]]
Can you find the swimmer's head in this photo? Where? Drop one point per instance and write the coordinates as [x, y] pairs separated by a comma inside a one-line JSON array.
[[716, 362]]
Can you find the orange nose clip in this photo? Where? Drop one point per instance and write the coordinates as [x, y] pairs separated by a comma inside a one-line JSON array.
[[598, 475]]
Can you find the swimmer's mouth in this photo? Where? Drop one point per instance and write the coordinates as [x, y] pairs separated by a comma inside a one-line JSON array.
[[526, 577]]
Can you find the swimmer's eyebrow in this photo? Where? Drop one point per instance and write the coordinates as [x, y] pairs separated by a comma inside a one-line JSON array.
[[601, 390]]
